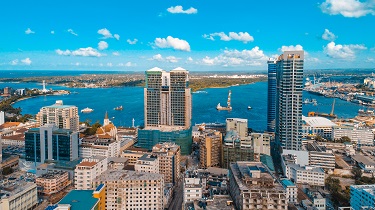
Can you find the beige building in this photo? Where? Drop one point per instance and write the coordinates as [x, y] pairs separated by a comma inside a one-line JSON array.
[[133, 155], [147, 163], [63, 116], [132, 190], [210, 147], [239, 125], [53, 182], [88, 170], [169, 155], [252, 187], [20, 196], [261, 143]]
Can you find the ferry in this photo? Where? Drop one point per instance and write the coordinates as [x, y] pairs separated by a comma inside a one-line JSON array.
[[87, 110], [119, 108]]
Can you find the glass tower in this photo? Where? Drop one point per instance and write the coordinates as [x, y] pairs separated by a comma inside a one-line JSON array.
[[271, 102]]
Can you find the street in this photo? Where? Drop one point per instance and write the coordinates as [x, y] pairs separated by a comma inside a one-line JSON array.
[[176, 203]]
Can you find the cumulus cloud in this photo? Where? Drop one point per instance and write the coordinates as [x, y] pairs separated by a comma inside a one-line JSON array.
[[29, 31], [170, 42], [105, 33], [14, 62], [116, 53], [180, 9], [253, 57], [244, 37], [342, 51], [291, 48], [102, 45], [72, 32], [128, 64], [26, 61], [116, 36], [85, 52], [52, 32], [329, 36], [348, 8], [189, 59], [134, 41], [157, 57], [172, 59]]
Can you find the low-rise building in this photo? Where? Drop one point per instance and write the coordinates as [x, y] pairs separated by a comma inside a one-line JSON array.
[[102, 145], [133, 155], [357, 136], [303, 174], [132, 190], [317, 126], [88, 170], [147, 163], [252, 186], [320, 156], [21, 195], [317, 200], [365, 163], [291, 190], [192, 188], [52, 182], [362, 196], [236, 148]]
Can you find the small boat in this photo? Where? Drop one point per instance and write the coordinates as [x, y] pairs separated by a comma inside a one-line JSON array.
[[249, 107], [87, 110], [119, 108]]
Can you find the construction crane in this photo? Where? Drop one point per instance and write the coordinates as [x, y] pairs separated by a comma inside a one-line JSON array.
[[330, 115]]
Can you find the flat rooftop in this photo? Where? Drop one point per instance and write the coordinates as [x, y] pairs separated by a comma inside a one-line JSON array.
[[318, 122], [116, 175], [80, 199]]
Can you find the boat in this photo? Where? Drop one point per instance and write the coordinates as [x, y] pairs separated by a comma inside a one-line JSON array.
[[87, 110], [228, 107], [119, 108], [249, 107]]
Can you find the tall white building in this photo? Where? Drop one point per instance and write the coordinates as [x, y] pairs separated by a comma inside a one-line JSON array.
[[63, 116], [192, 189], [88, 170], [2, 117], [289, 74], [132, 190]]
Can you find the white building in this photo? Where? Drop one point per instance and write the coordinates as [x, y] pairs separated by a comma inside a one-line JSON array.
[[97, 146], [317, 126], [261, 143], [23, 196], [192, 189], [147, 163], [88, 170], [2, 117], [318, 201], [358, 136], [63, 116], [132, 190], [291, 190], [362, 196]]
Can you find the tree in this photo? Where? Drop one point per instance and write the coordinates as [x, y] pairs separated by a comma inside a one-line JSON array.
[[357, 173], [319, 138], [345, 139], [92, 129]]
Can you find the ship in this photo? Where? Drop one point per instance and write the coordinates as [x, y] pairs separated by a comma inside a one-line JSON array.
[[87, 110], [228, 107], [249, 107], [326, 115], [119, 108]]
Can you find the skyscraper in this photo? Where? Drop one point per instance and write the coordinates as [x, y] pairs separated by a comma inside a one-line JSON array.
[[271, 102], [289, 73], [167, 108]]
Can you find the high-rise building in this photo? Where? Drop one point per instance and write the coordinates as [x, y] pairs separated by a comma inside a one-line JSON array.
[[271, 102], [50, 143], [210, 148], [167, 108], [239, 125], [169, 156], [63, 116], [289, 73]]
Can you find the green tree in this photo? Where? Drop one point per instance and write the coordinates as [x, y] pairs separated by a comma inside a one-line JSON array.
[[319, 138], [345, 139], [357, 173], [92, 129]]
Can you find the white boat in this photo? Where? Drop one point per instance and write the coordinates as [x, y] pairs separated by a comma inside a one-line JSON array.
[[87, 110], [249, 107]]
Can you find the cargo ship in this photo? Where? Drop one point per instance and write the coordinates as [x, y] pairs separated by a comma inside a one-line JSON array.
[[228, 107]]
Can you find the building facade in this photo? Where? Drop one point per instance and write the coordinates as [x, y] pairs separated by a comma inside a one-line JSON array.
[[236, 149], [192, 189], [239, 125], [88, 170], [357, 136], [210, 147], [169, 155], [147, 163], [289, 73], [271, 96], [291, 190], [50, 143], [63, 116], [362, 196], [52, 182], [261, 143], [23, 196]]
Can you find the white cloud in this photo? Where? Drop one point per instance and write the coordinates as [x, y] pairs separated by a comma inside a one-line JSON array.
[[291, 48], [14, 62], [128, 64], [190, 59], [348, 8], [86, 52], [78, 63], [116, 36], [109, 64], [26, 61], [29, 31], [102, 45], [116, 53], [253, 57], [172, 59], [157, 57], [244, 37], [132, 42], [342, 51], [329, 36], [72, 32], [170, 42], [105, 33], [52, 32], [180, 9]]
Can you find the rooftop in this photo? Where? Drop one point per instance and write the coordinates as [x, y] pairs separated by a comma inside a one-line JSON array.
[[116, 175], [148, 157], [368, 188], [362, 159], [80, 199], [318, 122], [287, 183]]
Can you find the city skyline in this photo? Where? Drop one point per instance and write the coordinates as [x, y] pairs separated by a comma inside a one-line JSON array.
[[196, 35]]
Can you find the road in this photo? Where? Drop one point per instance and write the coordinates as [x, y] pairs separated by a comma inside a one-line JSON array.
[[176, 203]]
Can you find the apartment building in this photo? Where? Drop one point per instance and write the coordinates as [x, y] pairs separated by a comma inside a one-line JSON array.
[[147, 163], [21, 195], [52, 182], [87, 170], [210, 147], [169, 155]]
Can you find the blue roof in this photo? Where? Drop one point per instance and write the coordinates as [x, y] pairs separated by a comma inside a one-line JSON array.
[[99, 187], [80, 200], [287, 182], [254, 168], [267, 160]]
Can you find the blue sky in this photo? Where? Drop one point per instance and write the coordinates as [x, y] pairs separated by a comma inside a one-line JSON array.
[[195, 34]]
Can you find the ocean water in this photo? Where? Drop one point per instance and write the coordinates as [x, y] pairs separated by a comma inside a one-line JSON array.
[[204, 103]]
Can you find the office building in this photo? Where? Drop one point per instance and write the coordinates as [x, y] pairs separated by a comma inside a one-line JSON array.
[[167, 108], [52, 143], [63, 116], [210, 147], [252, 186], [169, 155], [20, 195], [2, 117], [132, 190], [147, 163], [88, 170], [289, 73], [320, 156], [362, 197], [236, 149], [52, 182], [271, 97]]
